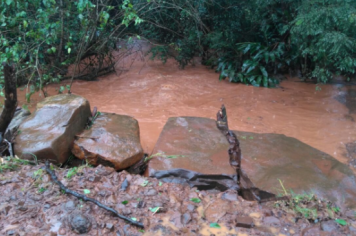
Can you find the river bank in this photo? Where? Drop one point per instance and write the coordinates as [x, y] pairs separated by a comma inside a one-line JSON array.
[[152, 92]]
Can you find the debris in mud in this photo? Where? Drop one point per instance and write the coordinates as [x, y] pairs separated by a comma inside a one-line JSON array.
[[22, 207], [85, 198]]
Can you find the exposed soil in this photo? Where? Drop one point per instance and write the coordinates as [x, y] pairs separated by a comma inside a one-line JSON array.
[[30, 204]]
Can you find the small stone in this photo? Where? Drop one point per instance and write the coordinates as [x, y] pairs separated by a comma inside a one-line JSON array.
[[22, 208], [186, 218], [102, 193], [126, 211], [244, 222], [271, 220], [157, 204], [176, 219], [62, 231], [124, 185], [162, 230], [312, 231], [46, 206], [69, 206], [230, 196], [141, 204], [7, 209], [151, 192], [350, 214], [190, 207], [11, 232], [329, 226], [79, 223], [109, 226], [35, 197], [13, 198], [94, 179], [119, 233]]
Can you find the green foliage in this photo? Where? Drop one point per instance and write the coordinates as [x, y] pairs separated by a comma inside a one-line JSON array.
[[42, 190], [245, 41], [43, 37], [11, 163], [341, 222], [250, 41], [196, 200], [145, 183], [71, 172], [215, 225], [325, 33], [154, 209], [308, 206]]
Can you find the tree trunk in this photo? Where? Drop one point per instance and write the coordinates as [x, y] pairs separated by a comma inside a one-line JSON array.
[[10, 97]]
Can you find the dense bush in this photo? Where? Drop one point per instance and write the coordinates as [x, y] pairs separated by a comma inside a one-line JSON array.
[[250, 41], [42, 37], [246, 41]]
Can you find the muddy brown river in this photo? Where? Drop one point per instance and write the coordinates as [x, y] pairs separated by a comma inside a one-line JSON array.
[[152, 92]]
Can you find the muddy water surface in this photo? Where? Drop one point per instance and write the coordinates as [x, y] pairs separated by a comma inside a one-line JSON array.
[[152, 92]]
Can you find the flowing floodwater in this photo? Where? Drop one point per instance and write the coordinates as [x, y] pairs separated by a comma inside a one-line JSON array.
[[152, 92]]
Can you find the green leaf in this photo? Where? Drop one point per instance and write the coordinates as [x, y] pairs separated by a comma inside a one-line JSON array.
[[341, 222], [8, 2], [69, 50], [125, 202], [141, 231], [61, 89], [154, 209], [196, 200], [25, 24], [133, 218], [299, 22], [144, 184], [159, 183], [86, 191], [247, 48], [214, 225], [265, 81], [263, 71]]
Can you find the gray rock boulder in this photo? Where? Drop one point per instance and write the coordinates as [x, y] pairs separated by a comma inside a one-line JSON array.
[[49, 132], [113, 140]]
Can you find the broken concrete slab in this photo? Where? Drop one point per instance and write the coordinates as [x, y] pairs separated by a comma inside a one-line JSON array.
[[113, 140], [49, 132]]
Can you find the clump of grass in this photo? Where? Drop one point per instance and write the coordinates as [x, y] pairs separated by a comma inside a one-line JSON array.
[[308, 206], [12, 163], [76, 170], [71, 172]]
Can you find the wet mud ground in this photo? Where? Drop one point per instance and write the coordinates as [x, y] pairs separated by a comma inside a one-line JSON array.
[[30, 204]]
